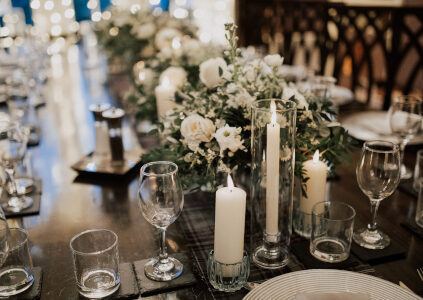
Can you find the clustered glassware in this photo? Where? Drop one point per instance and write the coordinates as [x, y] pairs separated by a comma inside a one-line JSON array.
[[161, 201], [405, 119], [96, 262], [13, 142], [332, 231], [378, 175]]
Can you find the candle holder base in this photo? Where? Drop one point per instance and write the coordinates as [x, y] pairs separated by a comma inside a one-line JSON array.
[[228, 277], [271, 255], [302, 223]]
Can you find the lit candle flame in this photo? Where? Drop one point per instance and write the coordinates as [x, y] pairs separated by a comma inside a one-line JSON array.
[[165, 81], [273, 110], [230, 182], [316, 156]]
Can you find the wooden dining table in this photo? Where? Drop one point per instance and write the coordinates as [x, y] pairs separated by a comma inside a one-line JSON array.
[[70, 205]]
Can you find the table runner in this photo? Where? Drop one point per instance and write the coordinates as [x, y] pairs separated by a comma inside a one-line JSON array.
[[197, 224]]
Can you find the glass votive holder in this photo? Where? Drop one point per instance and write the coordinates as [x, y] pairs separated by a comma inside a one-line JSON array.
[[16, 272], [418, 170], [332, 231], [419, 208], [96, 262], [228, 277], [302, 223]]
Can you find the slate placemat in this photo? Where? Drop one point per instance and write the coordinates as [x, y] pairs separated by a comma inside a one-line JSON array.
[[301, 250], [376, 256], [411, 225], [128, 285], [150, 287], [34, 209], [34, 292]]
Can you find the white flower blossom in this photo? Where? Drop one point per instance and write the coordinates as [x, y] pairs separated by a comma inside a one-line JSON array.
[[165, 36], [176, 76], [196, 129], [289, 92], [229, 138], [274, 60], [210, 69], [144, 31]]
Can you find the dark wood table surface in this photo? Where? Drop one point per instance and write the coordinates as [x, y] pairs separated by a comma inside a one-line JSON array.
[[69, 207]]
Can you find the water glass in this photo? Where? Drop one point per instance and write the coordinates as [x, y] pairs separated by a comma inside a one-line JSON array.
[[321, 87], [332, 231], [16, 272], [96, 262], [419, 208], [418, 170]]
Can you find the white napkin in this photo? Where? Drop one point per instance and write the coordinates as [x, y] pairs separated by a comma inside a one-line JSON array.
[[332, 296]]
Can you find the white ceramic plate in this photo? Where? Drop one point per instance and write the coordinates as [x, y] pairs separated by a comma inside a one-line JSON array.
[[341, 95], [374, 125], [328, 281]]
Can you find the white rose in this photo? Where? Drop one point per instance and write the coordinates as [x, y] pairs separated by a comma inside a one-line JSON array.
[[209, 72], [196, 129], [229, 138], [165, 36], [287, 94], [176, 76], [147, 51], [274, 60], [145, 31]]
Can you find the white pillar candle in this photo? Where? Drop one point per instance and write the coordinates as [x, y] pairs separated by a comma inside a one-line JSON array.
[[316, 171], [272, 173], [229, 224], [165, 93]]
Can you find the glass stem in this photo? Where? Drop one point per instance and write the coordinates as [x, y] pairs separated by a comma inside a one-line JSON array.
[[402, 149], [163, 248], [374, 206], [11, 174]]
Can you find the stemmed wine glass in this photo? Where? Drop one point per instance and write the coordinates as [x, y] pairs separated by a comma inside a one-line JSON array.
[[161, 201], [378, 175], [13, 141], [405, 119]]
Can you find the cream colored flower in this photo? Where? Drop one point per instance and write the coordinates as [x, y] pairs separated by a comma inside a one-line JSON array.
[[147, 51], [229, 138], [289, 92], [144, 31], [274, 60], [210, 74], [176, 76], [196, 129], [165, 37]]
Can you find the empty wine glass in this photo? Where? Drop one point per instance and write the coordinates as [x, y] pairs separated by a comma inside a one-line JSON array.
[[161, 201], [378, 175], [13, 142], [405, 119]]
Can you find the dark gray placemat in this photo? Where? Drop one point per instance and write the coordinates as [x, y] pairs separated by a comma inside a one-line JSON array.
[[150, 287], [35, 207], [411, 225], [376, 256], [128, 285], [34, 292], [301, 250]]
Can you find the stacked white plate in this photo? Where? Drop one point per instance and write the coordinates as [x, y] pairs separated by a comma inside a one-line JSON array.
[[286, 286]]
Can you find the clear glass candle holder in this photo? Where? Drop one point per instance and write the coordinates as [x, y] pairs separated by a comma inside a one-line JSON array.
[[332, 231], [272, 181], [228, 277]]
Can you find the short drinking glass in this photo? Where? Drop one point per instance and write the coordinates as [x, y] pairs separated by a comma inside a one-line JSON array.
[[378, 175], [161, 201], [332, 231], [96, 262], [16, 272]]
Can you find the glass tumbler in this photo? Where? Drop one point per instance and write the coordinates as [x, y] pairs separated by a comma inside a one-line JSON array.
[[418, 170], [332, 231], [16, 272], [96, 262]]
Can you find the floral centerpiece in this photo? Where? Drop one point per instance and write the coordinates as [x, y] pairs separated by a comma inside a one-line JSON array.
[[210, 132]]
